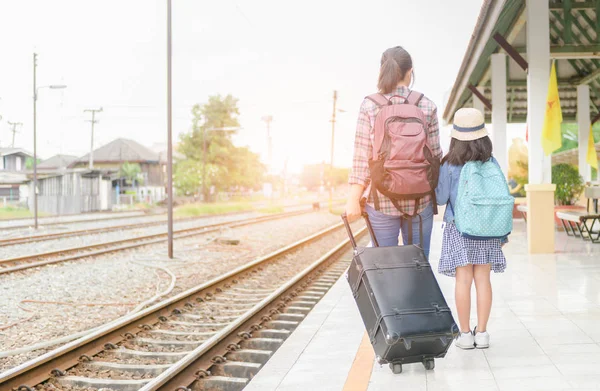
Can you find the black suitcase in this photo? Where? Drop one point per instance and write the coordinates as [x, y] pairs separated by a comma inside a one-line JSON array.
[[400, 302]]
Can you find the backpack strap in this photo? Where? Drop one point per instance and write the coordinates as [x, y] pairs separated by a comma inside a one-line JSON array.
[[378, 99], [375, 198], [414, 98], [410, 230]]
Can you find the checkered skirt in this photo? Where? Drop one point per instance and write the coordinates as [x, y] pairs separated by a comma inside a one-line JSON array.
[[458, 251]]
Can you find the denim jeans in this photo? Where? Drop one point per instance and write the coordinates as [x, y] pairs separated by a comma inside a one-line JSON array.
[[387, 228]]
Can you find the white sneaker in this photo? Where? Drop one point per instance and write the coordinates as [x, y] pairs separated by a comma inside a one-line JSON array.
[[466, 341], [482, 340]]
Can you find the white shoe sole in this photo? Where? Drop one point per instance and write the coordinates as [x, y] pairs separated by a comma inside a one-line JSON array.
[[482, 346], [469, 347]]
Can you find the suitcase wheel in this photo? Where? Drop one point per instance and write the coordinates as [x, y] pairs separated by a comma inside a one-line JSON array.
[[396, 368], [429, 364]]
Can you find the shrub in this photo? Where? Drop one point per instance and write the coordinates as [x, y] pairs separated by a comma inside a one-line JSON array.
[[569, 184]]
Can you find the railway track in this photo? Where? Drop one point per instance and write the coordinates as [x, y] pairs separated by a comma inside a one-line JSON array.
[[91, 231], [129, 216], [23, 262], [215, 336], [41, 219], [75, 221]]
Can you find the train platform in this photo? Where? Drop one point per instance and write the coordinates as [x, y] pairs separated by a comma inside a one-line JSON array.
[[544, 333]]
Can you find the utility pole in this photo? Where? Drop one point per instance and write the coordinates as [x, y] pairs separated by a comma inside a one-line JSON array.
[[93, 121], [169, 135], [14, 131], [35, 98], [203, 195], [331, 158], [35, 184], [268, 119]]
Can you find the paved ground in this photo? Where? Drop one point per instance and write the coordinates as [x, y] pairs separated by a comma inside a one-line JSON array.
[[545, 331]]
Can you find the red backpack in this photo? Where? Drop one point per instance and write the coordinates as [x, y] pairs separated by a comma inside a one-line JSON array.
[[403, 166]]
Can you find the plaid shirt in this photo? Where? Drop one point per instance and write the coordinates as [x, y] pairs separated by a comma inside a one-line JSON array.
[[363, 151]]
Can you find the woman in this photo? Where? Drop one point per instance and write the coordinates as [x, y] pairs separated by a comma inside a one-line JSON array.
[[395, 77]]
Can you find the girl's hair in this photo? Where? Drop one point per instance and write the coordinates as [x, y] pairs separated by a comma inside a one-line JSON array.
[[395, 63], [462, 152]]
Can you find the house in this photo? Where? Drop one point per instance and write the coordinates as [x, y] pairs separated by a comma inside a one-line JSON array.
[[112, 156], [72, 191], [14, 188], [13, 159], [56, 162], [13, 178]]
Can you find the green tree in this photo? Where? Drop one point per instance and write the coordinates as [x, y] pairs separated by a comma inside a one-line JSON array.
[[29, 163], [187, 177], [246, 169], [131, 172], [218, 113], [569, 184], [227, 166]]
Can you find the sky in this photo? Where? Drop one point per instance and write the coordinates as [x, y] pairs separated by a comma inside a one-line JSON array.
[[278, 57]]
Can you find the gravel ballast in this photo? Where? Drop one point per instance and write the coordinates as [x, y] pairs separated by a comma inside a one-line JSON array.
[[67, 219], [114, 284], [15, 250], [96, 224], [268, 279]]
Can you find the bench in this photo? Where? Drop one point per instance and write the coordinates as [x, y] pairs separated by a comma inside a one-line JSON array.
[[523, 209], [583, 221], [592, 193]]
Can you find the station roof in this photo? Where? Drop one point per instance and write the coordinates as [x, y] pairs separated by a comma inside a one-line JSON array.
[[574, 44]]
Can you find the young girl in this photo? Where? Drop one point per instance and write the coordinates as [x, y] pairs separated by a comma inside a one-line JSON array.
[[467, 259]]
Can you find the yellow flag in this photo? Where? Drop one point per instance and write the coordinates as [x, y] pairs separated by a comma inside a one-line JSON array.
[[592, 157], [551, 135]]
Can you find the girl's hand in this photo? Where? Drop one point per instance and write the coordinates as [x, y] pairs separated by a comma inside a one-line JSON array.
[[353, 210]]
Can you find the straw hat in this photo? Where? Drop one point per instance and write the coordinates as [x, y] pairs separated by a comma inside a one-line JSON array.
[[469, 125]]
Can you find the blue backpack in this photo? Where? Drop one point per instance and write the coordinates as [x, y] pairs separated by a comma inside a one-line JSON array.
[[484, 206]]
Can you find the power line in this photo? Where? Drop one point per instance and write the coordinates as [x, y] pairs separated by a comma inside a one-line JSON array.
[[93, 121]]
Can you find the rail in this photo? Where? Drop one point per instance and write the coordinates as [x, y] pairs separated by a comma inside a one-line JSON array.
[[58, 361]]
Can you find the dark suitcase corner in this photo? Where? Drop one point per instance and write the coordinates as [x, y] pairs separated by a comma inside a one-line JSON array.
[[401, 304]]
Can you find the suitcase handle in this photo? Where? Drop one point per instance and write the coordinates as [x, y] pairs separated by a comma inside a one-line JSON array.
[[351, 235]]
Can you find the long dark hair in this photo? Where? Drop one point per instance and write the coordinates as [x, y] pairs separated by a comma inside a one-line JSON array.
[[395, 63], [461, 152]]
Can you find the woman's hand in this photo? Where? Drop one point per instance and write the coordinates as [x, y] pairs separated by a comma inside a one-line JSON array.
[[353, 210]]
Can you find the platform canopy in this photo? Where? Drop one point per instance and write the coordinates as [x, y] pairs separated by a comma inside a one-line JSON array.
[[574, 44], [506, 73]]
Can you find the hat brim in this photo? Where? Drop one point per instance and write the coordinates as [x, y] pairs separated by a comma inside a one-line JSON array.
[[469, 136]]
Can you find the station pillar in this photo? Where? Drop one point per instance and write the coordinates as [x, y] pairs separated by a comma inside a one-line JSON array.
[[540, 190], [499, 110], [583, 123]]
